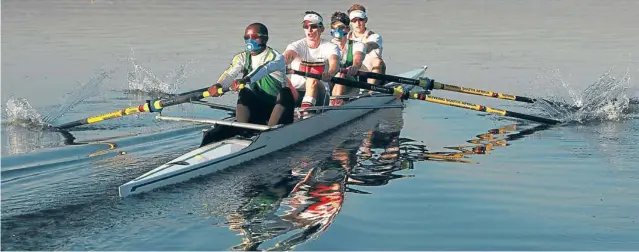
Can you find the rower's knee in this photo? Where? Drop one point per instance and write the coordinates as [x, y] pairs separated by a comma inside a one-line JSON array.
[[286, 97], [311, 83], [245, 96], [378, 65]]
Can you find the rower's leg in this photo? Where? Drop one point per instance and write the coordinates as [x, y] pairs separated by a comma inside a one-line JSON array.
[[311, 90], [283, 112], [377, 66], [338, 90], [293, 90], [245, 98]]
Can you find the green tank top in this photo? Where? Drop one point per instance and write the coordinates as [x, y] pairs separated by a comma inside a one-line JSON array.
[[349, 59], [268, 84], [349, 54]]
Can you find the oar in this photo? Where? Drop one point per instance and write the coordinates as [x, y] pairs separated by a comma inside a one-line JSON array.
[[150, 106], [215, 105], [404, 94], [430, 84]]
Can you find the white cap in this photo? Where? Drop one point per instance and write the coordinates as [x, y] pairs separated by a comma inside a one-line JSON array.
[[357, 14], [313, 18]]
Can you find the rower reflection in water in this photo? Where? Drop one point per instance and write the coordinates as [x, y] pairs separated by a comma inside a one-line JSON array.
[[290, 214], [295, 210], [265, 95]]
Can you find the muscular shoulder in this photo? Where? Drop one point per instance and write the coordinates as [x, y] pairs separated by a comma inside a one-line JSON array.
[[329, 47], [358, 46], [296, 45], [375, 37]]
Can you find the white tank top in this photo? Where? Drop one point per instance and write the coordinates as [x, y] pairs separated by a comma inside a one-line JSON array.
[[313, 56]]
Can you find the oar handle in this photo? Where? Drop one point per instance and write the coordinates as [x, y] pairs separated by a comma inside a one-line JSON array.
[[352, 83], [424, 83]]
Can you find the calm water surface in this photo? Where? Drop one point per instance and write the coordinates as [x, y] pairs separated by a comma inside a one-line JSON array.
[[427, 177]]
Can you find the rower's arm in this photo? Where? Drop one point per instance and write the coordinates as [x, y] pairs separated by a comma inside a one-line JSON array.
[[358, 59], [233, 71], [373, 42], [289, 56], [371, 45], [277, 64], [333, 65], [359, 52], [333, 54]]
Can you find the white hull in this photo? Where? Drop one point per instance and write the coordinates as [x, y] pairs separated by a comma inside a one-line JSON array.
[[221, 155]]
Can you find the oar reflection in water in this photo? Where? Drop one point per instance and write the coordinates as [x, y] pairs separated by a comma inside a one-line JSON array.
[[309, 206], [500, 137], [296, 210]]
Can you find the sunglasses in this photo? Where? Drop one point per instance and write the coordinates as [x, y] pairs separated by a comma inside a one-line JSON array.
[[310, 26], [254, 36]]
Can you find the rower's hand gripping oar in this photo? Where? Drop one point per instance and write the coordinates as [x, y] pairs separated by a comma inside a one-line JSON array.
[[430, 84], [150, 106], [403, 94]]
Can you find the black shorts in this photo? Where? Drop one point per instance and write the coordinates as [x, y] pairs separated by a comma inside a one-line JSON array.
[[259, 103]]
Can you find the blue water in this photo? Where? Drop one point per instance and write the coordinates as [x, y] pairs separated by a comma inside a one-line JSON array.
[[426, 177]]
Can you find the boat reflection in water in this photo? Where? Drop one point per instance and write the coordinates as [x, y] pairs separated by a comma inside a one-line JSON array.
[[296, 210]]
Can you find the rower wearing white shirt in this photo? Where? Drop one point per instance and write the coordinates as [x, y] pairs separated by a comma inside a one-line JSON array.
[[352, 54], [314, 55], [373, 61]]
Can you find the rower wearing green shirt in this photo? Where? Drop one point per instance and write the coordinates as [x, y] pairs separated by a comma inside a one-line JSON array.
[[352, 54], [259, 74]]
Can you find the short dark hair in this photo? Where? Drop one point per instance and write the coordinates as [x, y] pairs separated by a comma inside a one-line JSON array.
[[340, 17]]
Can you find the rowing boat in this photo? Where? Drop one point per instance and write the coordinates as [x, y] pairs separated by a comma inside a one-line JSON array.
[[234, 151]]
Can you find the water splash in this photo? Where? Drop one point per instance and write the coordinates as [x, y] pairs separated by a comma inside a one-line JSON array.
[[142, 79], [22, 128], [82, 92], [18, 111], [604, 100]]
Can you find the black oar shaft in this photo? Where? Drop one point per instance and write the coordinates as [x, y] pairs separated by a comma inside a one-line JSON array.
[[401, 93], [392, 78], [430, 84]]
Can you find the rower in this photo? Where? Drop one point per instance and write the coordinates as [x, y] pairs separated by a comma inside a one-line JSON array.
[[351, 51], [312, 54], [373, 61], [267, 96]]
